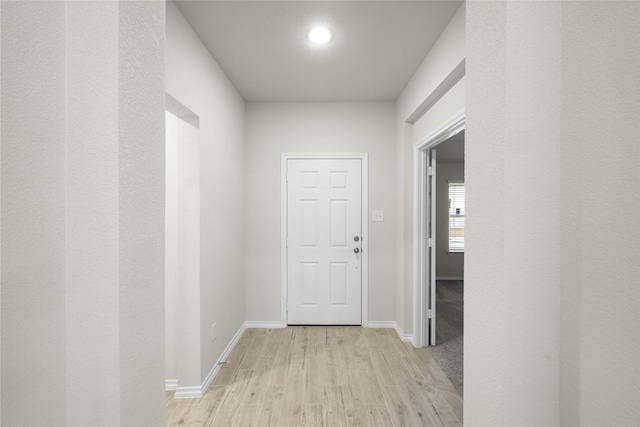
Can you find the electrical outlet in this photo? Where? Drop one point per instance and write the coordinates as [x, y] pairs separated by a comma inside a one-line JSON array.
[[213, 332]]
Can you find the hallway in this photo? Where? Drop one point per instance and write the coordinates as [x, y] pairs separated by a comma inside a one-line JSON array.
[[325, 376], [550, 93]]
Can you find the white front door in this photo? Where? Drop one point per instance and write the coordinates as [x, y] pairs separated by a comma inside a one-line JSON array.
[[324, 249]]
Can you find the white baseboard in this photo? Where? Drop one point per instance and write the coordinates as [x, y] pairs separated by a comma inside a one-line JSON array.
[[194, 392], [403, 337], [170, 385], [381, 324], [449, 277], [199, 391], [259, 324], [391, 325]]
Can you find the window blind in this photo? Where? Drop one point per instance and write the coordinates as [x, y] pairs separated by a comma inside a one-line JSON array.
[[456, 217]]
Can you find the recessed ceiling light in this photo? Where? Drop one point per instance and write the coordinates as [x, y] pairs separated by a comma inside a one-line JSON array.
[[320, 35]]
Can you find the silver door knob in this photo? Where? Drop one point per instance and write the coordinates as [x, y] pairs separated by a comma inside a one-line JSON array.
[[356, 250], [356, 239]]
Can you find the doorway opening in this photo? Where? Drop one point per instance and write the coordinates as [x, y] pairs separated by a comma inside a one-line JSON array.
[[182, 249], [439, 246], [449, 203]]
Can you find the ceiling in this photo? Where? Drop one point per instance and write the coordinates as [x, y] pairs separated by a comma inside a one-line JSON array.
[[263, 48], [451, 150]]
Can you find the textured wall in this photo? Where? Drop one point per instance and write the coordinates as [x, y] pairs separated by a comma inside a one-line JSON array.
[[141, 155], [82, 155], [0, 210], [197, 82], [600, 154], [512, 272], [33, 215], [552, 173], [486, 60], [92, 211]]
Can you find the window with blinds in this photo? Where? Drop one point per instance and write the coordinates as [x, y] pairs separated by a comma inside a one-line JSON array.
[[456, 217]]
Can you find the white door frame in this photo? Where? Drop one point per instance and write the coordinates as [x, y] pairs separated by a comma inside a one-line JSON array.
[[364, 157], [420, 251]]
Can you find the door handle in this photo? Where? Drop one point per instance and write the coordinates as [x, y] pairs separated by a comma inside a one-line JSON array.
[[356, 239], [356, 250]]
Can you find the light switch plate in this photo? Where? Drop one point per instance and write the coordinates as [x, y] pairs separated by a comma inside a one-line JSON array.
[[378, 216]]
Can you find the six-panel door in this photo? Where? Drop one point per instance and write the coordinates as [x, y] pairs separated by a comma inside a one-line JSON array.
[[324, 216]]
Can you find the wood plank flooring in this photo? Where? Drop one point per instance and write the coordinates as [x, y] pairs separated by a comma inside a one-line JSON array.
[[323, 376]]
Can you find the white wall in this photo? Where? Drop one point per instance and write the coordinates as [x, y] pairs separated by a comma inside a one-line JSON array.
[[512, 300], [82, 224], [600, 187], [552, 177], [429, 94], [276, 128], [195, 80], [33, 215], [92, 218], [450, 103], [447, 264]]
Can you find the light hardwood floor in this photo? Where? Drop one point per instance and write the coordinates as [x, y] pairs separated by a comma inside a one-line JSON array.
[[323, 376]]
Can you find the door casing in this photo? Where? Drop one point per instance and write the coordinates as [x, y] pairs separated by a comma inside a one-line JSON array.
[[284, 223]]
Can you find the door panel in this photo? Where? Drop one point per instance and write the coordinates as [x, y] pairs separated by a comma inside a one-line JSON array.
[[324, 214], [309, 223], [338, 223], [338, 285], [309, 282]]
